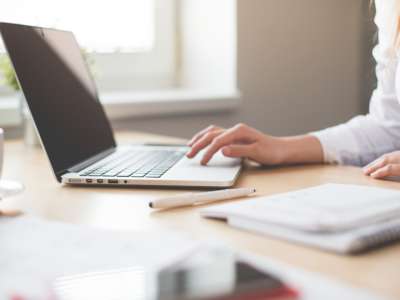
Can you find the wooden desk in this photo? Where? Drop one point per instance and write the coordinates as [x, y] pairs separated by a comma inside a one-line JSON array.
[[126, 208]]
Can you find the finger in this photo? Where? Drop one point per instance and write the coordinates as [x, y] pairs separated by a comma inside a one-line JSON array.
[[199, 135], [236, 151], [203, 142], [376, 165], [387, 171], [236, 133]]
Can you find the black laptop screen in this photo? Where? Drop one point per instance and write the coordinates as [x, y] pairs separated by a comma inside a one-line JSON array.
[[60, 93]]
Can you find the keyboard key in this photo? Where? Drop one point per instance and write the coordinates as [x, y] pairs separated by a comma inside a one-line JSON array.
[[96, 173], [155, 173], [125, 174], [138, 175], [152, 176]]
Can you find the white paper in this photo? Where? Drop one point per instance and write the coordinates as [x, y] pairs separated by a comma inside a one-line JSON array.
[[34, 252]]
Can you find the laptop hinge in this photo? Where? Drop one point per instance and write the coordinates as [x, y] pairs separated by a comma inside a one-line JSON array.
[[84, 164]]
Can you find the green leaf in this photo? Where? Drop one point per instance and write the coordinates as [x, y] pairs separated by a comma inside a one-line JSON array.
[[7, 69]]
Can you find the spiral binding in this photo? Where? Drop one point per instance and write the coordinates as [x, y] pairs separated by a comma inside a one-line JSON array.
[[381, 237]]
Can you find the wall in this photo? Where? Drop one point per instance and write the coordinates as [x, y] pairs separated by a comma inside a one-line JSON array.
[[302, 65]]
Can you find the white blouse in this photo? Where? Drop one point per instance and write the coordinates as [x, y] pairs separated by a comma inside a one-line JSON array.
[[365, 138]]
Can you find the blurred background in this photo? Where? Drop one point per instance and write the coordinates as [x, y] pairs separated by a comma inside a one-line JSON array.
[[175, 66]]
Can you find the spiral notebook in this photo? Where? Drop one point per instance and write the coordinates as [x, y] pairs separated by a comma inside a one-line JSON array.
[[334, 217]]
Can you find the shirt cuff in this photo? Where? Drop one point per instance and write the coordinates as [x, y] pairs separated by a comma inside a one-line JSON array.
[[337, 143], [329, 155]]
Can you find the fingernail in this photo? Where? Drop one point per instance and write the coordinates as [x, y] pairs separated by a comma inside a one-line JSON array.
[[226, 151]]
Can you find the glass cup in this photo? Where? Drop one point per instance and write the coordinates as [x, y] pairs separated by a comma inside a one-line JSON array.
[[7, 187], [1, 150]]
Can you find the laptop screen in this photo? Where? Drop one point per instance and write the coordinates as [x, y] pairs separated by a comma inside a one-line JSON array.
[[60, 93]]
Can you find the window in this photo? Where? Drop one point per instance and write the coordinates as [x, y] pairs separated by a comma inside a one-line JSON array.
[[101, 26], [132, 43]]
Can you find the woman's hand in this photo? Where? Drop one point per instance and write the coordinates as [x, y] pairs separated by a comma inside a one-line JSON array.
[[246, 142], [238, 141], [385, 166]]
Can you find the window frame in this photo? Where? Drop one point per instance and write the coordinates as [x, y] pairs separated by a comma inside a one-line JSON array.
[[183, 85], [144, 70], [154, 69]]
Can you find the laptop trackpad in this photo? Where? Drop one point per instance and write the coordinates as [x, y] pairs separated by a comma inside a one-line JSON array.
[[220, 168]]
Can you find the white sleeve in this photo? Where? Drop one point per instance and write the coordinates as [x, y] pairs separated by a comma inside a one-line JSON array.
[[364, 138]]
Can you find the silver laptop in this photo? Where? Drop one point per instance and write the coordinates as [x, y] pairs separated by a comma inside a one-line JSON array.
[[74, 129]]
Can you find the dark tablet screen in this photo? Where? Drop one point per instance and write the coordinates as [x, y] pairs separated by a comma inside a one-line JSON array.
[[234, 281]]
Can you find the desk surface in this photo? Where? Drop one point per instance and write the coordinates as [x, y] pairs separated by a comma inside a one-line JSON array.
[[126, 208]]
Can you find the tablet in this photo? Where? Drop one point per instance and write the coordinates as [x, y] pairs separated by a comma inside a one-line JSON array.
[[239, 280]]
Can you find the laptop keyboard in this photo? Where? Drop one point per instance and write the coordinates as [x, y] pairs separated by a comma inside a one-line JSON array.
[[137, 164]]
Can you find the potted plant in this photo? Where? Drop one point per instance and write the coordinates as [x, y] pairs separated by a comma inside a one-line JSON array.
[[10, 80]]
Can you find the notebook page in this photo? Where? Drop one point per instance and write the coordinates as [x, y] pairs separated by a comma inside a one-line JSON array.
[[329, 207]]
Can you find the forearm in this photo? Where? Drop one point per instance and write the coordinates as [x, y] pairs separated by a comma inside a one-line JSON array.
[[301, 149]]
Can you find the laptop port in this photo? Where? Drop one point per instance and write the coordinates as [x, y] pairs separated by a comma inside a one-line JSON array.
[[89, 180], [74, 181], [100, 181], [113, 181]]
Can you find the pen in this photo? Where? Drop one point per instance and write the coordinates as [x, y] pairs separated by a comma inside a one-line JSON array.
[[10, 213], [200, 198]]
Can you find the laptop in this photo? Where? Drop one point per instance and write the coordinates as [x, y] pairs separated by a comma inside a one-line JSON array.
[[74, 130]]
